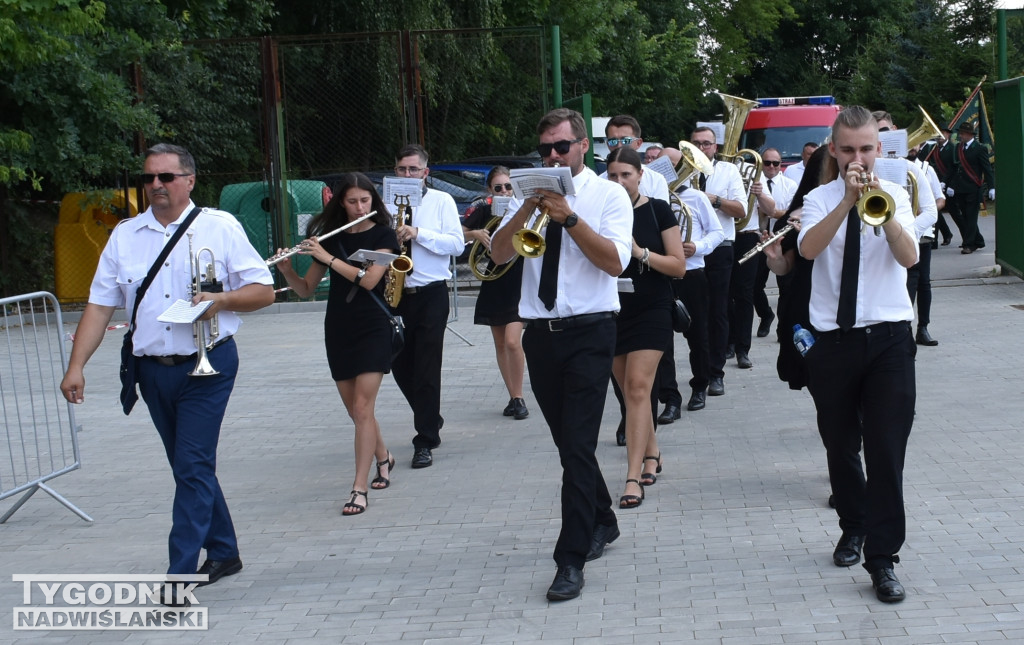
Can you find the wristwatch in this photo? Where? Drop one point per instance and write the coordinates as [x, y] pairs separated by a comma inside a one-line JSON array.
[[359, 276], [571, 220], [718, 201]]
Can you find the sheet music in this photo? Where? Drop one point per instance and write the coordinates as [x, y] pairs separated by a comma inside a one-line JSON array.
[[526, 181], [395, 186], [717, 127], [894, 143], [182, 311], [663, 166], [374, 257], [499, 205], [894, 170]]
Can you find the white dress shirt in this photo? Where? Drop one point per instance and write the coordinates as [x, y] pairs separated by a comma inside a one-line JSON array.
[[583, 288], [131, 250], [438, 237], [707, 232], [928, 191], [727, 183], [882, 282], [783, 190], [796, 171], [652, 184]]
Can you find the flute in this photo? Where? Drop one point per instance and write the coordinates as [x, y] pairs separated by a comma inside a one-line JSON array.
[[319, 238], [781, 233]]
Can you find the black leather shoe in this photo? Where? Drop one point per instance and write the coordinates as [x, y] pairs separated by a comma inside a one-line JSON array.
[[217, 569], [620, 433], [519, 411], [422, 458], [967, 250], [670, 414], [603, 536], [887, 586], [510, 409], [765, 327], [715, 386], [743, 361], [848, 550], [924, 338], [567, 585], [697, 400], [730, 352]]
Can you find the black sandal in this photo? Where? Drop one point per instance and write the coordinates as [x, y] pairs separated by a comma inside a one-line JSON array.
[[649, 479], [360, 508], [632, 501], [381, 479]]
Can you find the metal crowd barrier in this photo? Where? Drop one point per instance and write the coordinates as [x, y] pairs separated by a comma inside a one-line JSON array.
[[39, 440]]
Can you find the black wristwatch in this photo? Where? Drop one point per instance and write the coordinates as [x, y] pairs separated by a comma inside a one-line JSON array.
[[359, 276], [718, 201], [571, 220]]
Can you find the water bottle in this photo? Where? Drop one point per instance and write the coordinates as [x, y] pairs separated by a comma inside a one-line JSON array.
[[803, 339]]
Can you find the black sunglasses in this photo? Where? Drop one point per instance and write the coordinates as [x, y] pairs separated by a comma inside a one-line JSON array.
[[164, 177], [500, 187], [773, 163], [561, 147]]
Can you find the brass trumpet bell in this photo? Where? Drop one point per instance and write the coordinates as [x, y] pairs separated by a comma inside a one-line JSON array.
[[875, 206], [528, 242]]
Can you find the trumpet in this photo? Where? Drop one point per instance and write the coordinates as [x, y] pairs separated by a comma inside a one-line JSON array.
[[875, 206], [528, 242], [203, 366], [320, 238], [779, 234]]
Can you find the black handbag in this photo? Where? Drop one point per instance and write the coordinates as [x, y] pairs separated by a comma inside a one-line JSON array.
[[396, 324], [680, 317], [129, 393]]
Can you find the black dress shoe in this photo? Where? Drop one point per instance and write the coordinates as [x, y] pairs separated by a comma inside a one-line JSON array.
[[765, 327], [730, 352], [887, 586], [567, 585], [696, 401], [603, 536], [743, 361], [422, 458], [967, 250], [715, 386], [519, 411], [848, 550], [620, 433], [510, 409], [946, 241], [217, 569], [924, 338], [670, 414]]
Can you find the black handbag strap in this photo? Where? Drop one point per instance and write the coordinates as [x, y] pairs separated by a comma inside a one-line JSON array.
[[373, 293], [153, 270]]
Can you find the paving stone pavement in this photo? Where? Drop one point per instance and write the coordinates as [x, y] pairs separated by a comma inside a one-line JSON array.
[[732, 545]]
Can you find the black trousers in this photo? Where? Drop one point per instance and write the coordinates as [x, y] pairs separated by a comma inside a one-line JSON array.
[[718, 269], [417, 368], [569, 373], [693, 291], [963, 208], [919, 284], [864, 389], [741, 293], [762, 307]]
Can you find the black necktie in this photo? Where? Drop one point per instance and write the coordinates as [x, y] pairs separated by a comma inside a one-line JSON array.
[[769, 185], [703, 182], [548, 288], [846, 314]]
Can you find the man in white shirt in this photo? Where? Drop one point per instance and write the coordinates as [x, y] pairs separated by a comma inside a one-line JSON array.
[[782, 189], [796, 171], [433, 235], [568, 305], [861, 369], [624, 130], [187, 410]]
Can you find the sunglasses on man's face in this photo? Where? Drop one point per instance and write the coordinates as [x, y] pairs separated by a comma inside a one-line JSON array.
[[620, 141], [500, 187], [164, 177], [561, 147], [772, 163]]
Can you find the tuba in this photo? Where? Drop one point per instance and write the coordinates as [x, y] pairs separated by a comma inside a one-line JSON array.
[[750, 170], [924, 132], [394, 279], [203, 366], [480, 262]]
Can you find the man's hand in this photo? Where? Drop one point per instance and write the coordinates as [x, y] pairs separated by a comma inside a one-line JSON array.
[[73, 385], [689, 248], [558, 209]]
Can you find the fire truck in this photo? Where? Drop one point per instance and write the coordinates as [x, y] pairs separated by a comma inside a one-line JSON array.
[[788, 123]]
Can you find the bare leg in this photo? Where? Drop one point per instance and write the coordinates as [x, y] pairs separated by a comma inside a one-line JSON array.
[[360, 396], [508, 349]]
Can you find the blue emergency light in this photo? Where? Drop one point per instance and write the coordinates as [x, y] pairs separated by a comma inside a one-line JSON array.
[[796, 100]]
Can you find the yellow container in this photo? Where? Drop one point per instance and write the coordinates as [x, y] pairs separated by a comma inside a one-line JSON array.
[[83, 227]]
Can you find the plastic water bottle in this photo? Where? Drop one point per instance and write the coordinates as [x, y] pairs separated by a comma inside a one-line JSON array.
[[803, 339]]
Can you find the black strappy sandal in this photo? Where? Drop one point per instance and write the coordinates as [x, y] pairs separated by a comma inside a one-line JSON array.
[[632, 501], [360, 508], [649, 479], [381, 479]]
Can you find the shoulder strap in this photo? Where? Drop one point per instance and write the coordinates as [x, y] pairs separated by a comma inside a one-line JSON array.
[[153, 270]]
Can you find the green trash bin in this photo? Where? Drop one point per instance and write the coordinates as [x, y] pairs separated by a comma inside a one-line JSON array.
[[252, 204]]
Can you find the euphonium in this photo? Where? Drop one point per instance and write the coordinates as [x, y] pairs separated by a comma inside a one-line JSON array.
[[203, 366], [394, 279], [691, 162], [480, 262], [875, 206]]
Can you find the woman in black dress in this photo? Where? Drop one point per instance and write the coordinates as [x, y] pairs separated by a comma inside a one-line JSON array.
[[356, 329], [497, 305], [644, 325]]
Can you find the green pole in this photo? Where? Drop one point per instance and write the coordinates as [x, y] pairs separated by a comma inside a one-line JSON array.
[[1001, 40], [556, 66]]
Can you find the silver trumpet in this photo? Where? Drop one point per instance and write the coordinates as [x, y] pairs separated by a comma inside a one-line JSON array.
[[779, 234], [203, 366]]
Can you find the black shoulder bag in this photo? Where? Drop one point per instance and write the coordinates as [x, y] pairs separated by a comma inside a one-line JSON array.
[[395, 322], [129, 394]]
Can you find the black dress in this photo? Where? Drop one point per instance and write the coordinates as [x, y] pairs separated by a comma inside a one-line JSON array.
[[357, 334], [645, 317], [498, 301], [794, 310]]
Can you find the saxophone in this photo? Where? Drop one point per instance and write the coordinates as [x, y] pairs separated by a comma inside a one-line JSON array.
[[394, 279]]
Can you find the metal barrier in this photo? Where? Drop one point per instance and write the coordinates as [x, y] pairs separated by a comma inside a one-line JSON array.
[[40, 440]]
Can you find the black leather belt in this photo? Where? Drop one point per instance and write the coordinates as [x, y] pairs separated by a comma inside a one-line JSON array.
[[726, 243], [889, 328], [559, 324], [432, 285], [757, 233], [178, 359]]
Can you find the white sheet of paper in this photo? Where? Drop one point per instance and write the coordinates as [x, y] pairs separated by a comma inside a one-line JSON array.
[[663, 166], [499, 205], [718, 127], [894, 170], [625, 285], [894, 143], [182, 311], [526, 181], [374, 257], [395, 186]]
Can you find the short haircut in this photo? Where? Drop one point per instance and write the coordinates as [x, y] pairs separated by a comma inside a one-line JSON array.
[[412, 149], [852, 118], [625, 154], [775, 150], [882, 115], [185, 160], [624, 120], [811, 144], [705, 128], [556, 117]]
